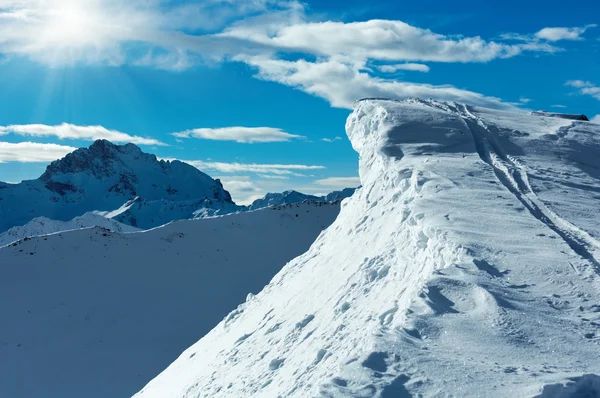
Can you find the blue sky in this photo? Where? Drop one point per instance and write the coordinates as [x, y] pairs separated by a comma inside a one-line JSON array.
[[256, 92]]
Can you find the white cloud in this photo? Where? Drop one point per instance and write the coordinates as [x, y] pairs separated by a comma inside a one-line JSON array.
[[556, 34], [92, 31], [595, 119], [407, 66], [341, 84], [558, 106], [331, 139], [71, 131], [524, 100], [585, 88], [375, 39], [31, 152], [273, 177], [240, 134], [338, 183], [271, 169], [171, 35], [243, 190]]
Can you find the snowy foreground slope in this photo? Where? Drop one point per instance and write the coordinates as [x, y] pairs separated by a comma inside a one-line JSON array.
[[45, 226], [95, 314], [466, 266]]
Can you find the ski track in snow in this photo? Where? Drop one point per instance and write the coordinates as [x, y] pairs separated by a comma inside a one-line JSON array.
[[445, 275], [514, 177], [448, 274]]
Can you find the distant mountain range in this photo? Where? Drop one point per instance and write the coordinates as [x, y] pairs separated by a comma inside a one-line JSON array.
[[290, 197], [126, 185]]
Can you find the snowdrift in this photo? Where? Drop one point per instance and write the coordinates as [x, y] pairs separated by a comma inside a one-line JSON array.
[[467, 265], [95, 314]]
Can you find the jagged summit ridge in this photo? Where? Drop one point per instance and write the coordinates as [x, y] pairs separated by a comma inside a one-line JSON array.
[[105, 176], [292, 196], [101, 158], [460, 268]]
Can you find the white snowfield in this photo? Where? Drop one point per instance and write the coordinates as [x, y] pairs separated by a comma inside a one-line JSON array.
[[44, 226], [95, 314], [466, 266]]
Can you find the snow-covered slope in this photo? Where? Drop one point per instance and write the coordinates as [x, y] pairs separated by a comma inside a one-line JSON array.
[[95, 314], [569, 116], [105, 176], [467, 265], [45, 226], [290, 197]]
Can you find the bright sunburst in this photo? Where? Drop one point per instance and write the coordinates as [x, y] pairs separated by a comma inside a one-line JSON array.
[[71, 23]]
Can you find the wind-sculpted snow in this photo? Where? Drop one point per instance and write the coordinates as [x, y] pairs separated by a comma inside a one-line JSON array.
[[465, 266], [96, 314]]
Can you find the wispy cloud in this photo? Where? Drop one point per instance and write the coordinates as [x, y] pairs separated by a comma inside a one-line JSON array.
[[240, 134], [243, 190], [407, 66], [341, 84], [171, 35], [69, 31], [271, 169], [331, 139], [71, 131], [595, 119], [556, 34], [585, 87], [558, 106], [336, 183], [524, 100], [31, 152]]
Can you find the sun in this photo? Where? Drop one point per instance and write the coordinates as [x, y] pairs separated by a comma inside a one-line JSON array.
[[70, 23]]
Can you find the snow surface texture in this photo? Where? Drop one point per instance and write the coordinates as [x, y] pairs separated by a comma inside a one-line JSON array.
[[44, 226], [96, 314], [467, 265], [560, 115], [289, 197], [105, 176]]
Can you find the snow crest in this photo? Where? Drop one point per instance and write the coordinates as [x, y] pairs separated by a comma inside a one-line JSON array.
[[466, 265]]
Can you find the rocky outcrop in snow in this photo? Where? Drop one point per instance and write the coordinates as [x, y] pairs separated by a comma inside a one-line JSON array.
[[467, 265], [105, 176], [560, 115], [290, 197]]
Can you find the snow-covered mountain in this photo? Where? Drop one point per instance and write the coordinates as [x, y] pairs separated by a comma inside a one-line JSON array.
[[95, 314], [467, 265], [105, 176], [283, 198], [290, 197], [44, 226], [339, 195]]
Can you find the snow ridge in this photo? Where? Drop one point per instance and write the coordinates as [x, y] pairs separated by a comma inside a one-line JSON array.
[[44, 226], [465, 265]]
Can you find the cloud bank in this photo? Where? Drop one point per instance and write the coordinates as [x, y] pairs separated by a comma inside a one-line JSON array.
[[71, 131], [329, 59], [32, 152], [240, 134]]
